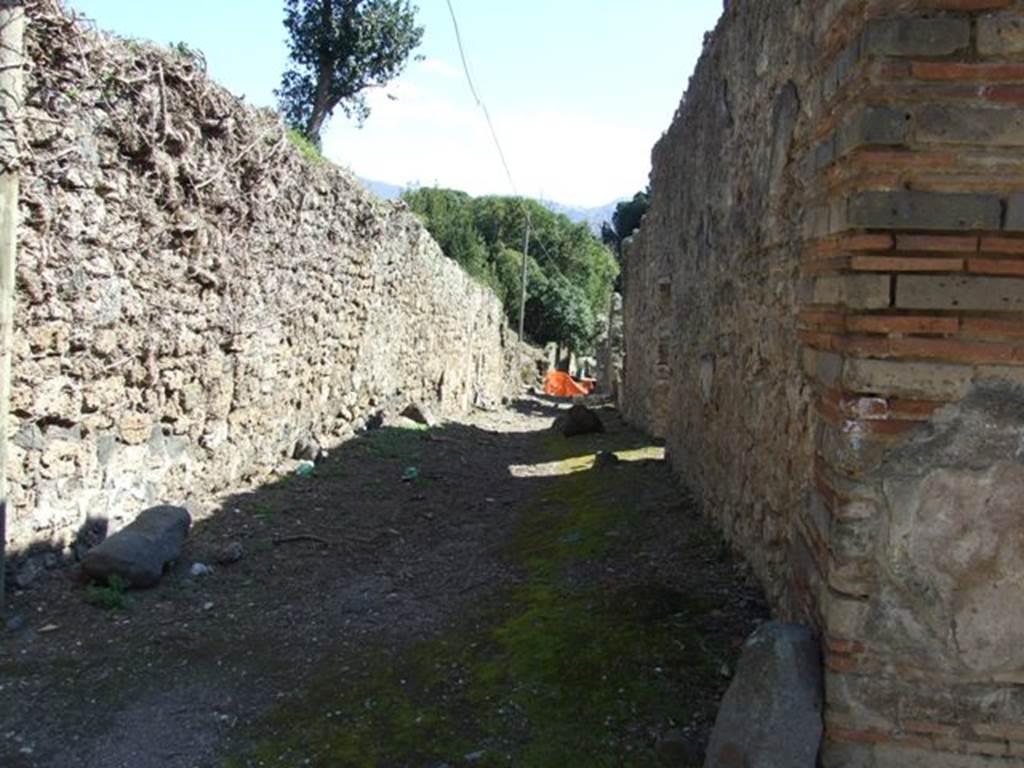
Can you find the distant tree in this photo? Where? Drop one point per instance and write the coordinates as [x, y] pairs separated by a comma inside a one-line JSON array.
[[569, 271], [338, 49], [625, 220]]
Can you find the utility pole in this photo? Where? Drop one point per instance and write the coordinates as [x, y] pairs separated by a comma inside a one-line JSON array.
[[526, 259], [12, 81]]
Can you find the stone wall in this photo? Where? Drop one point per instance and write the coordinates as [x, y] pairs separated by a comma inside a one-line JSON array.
[[839, 209], [196, 298]]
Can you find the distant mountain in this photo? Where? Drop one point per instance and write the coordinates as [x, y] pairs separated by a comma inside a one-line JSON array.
[[593, 217]]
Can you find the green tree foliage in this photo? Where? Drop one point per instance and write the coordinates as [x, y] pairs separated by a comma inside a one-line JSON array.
[[625, 220], [570, 273], [338, 49]]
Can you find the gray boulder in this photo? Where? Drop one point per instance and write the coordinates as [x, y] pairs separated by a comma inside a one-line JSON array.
[[771, 716], [138, 553], [578, 420]]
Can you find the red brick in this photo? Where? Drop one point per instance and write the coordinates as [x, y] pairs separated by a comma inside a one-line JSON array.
[[955, 351], [902, 324], [909, 410], [905, 264], [1004, 94], [992, 749], [829, 321], [987, 328], [1001, 245], [991, 73], [934, 729], [936, 244], [1005, 731], [996, 266], [838, 245], [846, 647]]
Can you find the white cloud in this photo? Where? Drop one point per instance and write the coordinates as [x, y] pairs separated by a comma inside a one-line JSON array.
[[429, 135]]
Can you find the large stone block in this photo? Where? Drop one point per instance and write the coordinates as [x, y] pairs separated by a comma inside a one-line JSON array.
[[771, 716], [139, 552], [964, 293], [916, 36], [957, 124], [1000, 34], [910, 379], [924, 210]]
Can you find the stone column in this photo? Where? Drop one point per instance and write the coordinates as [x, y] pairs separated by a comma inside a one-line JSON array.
[[910, 550]]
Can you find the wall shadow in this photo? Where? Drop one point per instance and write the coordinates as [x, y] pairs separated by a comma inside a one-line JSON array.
[[393, 540]]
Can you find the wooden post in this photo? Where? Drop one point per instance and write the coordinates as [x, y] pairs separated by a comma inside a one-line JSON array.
[[12, 74], [526, 260]]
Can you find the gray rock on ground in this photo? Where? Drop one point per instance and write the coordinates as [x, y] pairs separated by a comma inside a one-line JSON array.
[[578, 420], [771, 716], [139, 552]]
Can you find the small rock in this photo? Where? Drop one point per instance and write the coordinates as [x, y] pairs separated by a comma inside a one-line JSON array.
[[48, 629], [421, 414], [230, 553], [606, 460], [28, 571], [307, 449], [475, 757], [207, 606], [677, 750], [578, 420], [139, 552], [200, 569]]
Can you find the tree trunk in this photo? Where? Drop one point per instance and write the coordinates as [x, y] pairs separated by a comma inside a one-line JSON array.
[[12, 27], [325, 69]]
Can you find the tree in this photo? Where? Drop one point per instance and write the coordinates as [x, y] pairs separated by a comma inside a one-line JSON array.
[[625, 220], [339, 48]]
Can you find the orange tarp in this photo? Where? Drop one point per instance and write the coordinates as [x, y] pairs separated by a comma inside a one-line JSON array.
[[561, 384]]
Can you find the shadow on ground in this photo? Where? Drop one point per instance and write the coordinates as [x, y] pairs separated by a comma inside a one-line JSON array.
[[478, 593]]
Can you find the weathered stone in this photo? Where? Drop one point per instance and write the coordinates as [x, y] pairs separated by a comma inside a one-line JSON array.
[[1000, 34], [916, 36], [140, 551], [421, 414], [578, 420], [923, 210], [771, 716], [962, 293], [969, 125]]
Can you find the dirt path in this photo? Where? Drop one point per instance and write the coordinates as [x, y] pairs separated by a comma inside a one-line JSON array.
[[510, 605]]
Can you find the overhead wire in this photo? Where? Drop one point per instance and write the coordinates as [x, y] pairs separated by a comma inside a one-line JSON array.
[[504, 162]]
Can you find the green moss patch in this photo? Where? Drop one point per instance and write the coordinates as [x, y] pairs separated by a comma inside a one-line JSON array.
[[560, 670]]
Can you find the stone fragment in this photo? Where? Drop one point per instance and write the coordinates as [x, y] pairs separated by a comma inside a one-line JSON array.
[[230, 553], [135, 428], [421, 414], [307, 449], [139, 552], [578, 420], [676, 750], [771, 716]]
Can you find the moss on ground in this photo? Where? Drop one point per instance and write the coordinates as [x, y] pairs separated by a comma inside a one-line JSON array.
[[553, 673]]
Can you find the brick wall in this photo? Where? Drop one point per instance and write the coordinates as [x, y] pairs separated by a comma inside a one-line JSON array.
[[896, 526], [911, 302]]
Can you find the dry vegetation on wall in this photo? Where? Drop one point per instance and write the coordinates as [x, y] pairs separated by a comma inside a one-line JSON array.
[[195, 297]]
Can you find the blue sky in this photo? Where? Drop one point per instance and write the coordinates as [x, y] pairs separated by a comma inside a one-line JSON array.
[[579, 90]]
